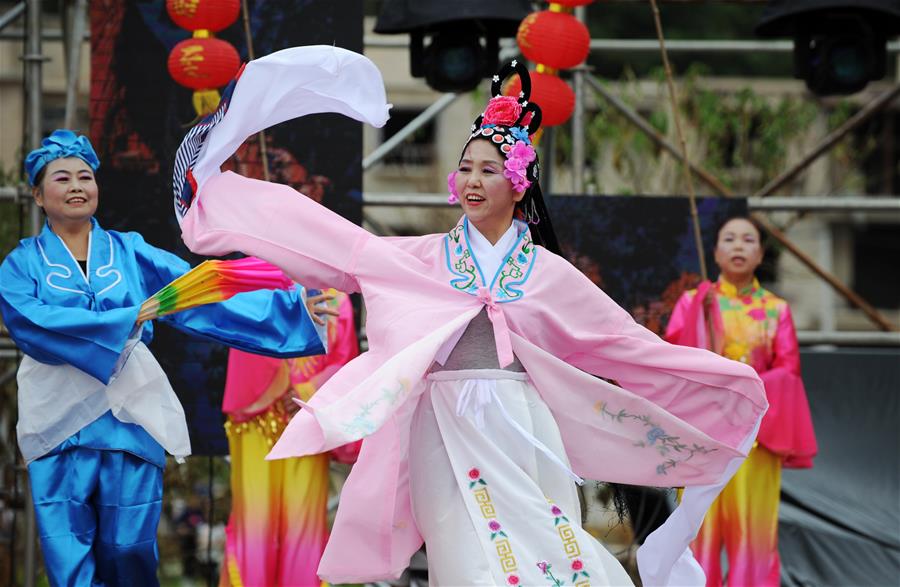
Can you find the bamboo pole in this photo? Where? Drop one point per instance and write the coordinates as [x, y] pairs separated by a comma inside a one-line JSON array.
[[685, 158], [263, 152]]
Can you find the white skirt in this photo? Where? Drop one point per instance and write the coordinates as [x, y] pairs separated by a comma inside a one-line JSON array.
[[492, 507]]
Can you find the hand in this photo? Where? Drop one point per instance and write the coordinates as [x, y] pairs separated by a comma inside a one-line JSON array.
[[149, 310], [315, 311], [288, 404]]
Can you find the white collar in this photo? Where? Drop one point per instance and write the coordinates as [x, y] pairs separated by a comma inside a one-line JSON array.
[[490, 257]]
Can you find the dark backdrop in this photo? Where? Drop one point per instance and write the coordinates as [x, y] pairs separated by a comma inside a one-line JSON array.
[[138, 116]]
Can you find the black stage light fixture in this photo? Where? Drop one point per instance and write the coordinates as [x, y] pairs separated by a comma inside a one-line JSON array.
[[453, 44], [839, 46]]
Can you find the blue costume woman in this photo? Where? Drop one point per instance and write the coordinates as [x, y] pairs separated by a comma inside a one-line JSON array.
[[96, 412]]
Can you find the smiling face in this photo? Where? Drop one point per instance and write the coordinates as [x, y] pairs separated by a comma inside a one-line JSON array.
[[738, 251], [68, 192], [487, 197]]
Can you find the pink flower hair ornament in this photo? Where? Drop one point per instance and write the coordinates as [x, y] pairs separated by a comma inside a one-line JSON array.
[[454, 195]]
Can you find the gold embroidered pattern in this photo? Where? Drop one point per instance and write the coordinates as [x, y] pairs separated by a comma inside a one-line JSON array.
[[580, 576], [483, 499], [500, 539], [570, 543]]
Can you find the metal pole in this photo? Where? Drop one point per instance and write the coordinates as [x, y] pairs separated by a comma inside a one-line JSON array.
[[827, 204], [74, 42], [578, 140], [34, 61], [11, 15], [842, 338], [386, 147], [826, 294], [831, 140], [865, 204], [548, 167], [873, 314], [508, 46]]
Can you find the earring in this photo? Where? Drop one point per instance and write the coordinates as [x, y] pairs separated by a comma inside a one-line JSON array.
[[532, 216]]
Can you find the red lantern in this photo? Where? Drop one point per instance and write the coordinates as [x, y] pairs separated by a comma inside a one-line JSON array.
[[570, 3], [204, 64], [555, 39], [553, 95], [212, 15]]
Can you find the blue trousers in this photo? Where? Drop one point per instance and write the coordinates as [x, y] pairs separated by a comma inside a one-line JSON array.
[[97, 514]]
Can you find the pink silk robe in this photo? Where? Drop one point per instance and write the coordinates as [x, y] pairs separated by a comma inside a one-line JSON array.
[[756, 328], [682, 416]]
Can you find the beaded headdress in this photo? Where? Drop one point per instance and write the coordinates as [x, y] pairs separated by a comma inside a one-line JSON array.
[[510, 123]]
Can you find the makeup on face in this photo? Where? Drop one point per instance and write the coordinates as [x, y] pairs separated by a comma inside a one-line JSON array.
[[487, 197], [68, 192]]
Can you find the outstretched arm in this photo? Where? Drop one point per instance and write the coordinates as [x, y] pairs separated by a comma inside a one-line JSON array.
[[274, 323], [222, 213]]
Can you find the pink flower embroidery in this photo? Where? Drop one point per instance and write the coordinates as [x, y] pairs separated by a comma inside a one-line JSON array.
[[474, 474], [513, 579], [577, 565], [757, 313], [502, 110], [556, 511], [494, 525], [451, 187], [543, 566]]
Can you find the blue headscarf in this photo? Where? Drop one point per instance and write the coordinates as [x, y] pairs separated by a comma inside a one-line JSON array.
[[61, 143]]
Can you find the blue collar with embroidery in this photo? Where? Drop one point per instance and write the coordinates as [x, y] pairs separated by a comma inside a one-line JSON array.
[[64, 272], [506, 284]]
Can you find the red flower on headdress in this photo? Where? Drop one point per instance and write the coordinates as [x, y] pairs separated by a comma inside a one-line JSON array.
[[502, 110]]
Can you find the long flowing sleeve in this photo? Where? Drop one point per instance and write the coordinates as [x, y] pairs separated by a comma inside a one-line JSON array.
[[312, 244], [720, 397], [272, 323], [689, 323], [90, 339], [678, 319], [342, 349], [787, 429], [225, 212]]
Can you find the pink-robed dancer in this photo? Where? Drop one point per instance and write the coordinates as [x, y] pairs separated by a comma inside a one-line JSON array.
[[279, 521], [751, 325], [478, 399]]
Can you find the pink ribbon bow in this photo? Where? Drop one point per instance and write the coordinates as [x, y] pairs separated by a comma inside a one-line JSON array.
[[501, 328]]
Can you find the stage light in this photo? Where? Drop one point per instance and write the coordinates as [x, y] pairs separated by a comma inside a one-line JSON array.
[[839, 47], [453, 45]]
